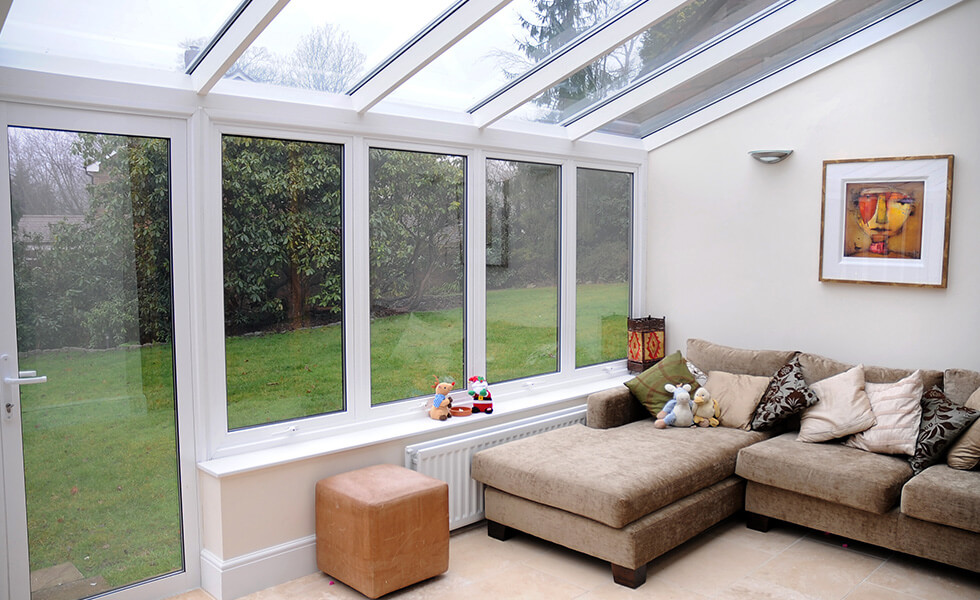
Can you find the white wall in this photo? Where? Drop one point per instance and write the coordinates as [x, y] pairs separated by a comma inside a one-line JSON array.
[[733, 244]]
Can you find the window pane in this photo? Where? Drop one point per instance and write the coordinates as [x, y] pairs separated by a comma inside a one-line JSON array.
[[158, 35], [522, 269], [92, 282], [283, 279], [416, 221], [605, 201]]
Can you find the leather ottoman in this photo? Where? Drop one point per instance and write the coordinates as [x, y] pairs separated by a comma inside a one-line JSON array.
[[382, 528]]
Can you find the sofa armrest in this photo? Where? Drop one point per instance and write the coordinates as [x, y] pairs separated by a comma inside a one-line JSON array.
[[612, 408]]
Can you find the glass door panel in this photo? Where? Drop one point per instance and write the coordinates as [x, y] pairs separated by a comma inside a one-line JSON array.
[[93, 307]]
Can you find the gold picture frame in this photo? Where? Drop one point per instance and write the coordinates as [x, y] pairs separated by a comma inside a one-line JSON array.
[[886, 220]]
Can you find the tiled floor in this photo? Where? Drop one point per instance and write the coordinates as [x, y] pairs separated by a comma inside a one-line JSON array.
[[728, 562]]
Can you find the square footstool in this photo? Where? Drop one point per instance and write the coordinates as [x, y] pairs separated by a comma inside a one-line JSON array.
[[382, 528]]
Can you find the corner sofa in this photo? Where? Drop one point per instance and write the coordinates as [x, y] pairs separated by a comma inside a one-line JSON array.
[[624, 491]]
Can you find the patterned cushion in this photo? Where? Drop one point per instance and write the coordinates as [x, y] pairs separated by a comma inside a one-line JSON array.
[[648, 386], [787, 395], [942, 422]]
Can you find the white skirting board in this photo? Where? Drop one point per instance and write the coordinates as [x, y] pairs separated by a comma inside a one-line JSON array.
[[249, 573]]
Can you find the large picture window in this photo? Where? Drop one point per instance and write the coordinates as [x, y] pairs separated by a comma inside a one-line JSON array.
[[522, 260], [416, 241], [283, 284], [604, 205]]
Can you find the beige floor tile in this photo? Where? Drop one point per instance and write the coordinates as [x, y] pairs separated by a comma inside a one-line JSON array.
[[707, 565], [926, 579], [515, 583], [578, 569], [853, 545], [818, 570], [870, 591], [193, 595], [654, 589], [774, 541], [750, 588]]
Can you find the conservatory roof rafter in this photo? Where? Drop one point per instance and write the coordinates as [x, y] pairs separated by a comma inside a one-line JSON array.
[[578, 53], [460, 19], [4, 11], [230, 44], [698, 61]]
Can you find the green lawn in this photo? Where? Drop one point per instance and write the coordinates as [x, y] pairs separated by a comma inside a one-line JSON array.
[[100, 449]]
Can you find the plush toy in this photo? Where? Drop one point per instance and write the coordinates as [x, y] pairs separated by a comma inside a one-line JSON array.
[[706, 411], [441, 402], [480, 394], [679, 411]]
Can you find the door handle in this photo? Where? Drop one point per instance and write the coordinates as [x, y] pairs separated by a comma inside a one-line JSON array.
[[25, 380]]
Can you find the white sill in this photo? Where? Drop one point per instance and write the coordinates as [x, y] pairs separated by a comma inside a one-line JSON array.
[[400, 428]]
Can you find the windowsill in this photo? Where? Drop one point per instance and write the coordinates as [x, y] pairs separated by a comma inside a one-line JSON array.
[[398, 428]]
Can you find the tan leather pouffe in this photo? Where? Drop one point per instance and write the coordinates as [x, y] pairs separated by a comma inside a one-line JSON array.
[[382, 528]]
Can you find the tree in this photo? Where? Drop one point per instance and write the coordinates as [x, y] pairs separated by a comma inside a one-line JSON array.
[[416, 221]]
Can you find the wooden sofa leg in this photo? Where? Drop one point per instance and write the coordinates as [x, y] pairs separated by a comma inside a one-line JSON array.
[[631, 578], [499, 531], [757, 522]]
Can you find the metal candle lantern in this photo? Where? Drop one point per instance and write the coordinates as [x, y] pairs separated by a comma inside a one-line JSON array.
[[646, 343]]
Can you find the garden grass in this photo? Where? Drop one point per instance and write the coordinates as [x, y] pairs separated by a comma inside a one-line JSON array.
[[100, 449]]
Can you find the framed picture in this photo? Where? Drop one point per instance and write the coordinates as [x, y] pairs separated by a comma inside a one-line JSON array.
[[886, 220]]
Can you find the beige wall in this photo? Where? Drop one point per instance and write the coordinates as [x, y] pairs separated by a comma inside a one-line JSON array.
[[733, 244]]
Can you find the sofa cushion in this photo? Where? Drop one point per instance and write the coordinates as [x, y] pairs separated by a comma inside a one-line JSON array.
[[831, 472], [715, 357], [958, 384], [897, 413], [613, 476], [786, 395], [737, 395], [648, 386], [965, 452], [945, 496], [816, 367], [843, 408], [942, 422]]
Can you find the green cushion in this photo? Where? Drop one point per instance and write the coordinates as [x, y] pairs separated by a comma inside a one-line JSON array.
[[648, 386]]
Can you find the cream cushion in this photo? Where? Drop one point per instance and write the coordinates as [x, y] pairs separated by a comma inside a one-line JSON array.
[[737, 395], [843, 408], [965, 453], [897, 412]]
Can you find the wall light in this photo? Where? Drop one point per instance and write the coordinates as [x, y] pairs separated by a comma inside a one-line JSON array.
[[770, 157]]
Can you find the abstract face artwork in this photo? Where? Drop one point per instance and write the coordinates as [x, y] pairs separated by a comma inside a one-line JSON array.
[[884, 220]]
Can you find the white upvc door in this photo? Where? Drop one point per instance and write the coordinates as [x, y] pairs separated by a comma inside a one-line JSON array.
[[97, 475]]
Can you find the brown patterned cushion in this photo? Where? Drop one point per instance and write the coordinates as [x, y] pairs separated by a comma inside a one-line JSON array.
[[942, 422], [787, 395]]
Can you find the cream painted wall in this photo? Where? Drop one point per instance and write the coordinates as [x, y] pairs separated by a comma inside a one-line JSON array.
[[733, 244]]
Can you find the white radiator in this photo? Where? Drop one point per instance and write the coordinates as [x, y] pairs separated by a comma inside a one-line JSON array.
[[449, 458]]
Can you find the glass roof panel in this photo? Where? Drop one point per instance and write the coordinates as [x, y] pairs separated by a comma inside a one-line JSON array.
[[153, 35], [330, 45], [815, 33], [507, 45], [656, 48]]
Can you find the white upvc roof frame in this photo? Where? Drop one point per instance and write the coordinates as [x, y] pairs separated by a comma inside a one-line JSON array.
[[574, 56], [422, 50], [4, 11], [252, 21], [748, 36]]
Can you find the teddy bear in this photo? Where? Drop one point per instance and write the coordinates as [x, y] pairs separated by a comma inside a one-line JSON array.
[[442, 402], [679, 411], [706, 409]]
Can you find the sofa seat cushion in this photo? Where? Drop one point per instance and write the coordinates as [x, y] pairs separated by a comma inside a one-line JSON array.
[[828, 471], [613, 476], [945, 496]]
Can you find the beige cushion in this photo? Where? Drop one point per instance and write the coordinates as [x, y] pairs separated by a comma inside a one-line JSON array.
[[965, 452], [737, 396], [614, 476], [958, 384], [816, 367], [831, 472], [897, 412], [843, 408], [715, 357], [946, 496]]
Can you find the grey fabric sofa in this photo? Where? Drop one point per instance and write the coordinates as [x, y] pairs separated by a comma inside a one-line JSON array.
[[626, 492]]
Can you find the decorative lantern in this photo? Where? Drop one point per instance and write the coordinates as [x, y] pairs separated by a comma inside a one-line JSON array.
[[646, 343]]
